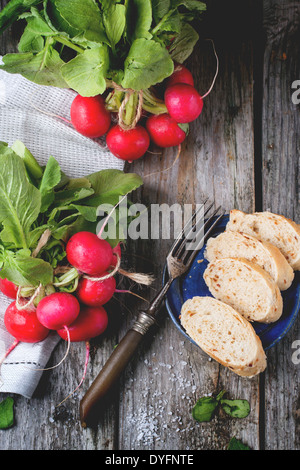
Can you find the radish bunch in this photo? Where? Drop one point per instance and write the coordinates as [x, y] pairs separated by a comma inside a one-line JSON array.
[[115, 55], [78, 316], [142, 117], [62, 311]]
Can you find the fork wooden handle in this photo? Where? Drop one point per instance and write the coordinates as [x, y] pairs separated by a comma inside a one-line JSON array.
[[90, 405]]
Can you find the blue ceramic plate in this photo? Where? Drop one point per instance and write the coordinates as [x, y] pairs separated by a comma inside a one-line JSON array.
[[192, 284]]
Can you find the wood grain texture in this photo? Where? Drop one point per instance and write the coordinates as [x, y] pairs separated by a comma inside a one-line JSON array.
[[152, 408], [281, 194], [248, 111], [217, 160]]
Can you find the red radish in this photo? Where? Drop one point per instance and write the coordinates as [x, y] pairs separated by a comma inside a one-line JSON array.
[[89, 254], [180, 75], [91, 322], [24, 325], [8, 288], [58, 310], [95, 293], [128, 144], [183, 102], [89, 116], [116, 252], [164, 131]]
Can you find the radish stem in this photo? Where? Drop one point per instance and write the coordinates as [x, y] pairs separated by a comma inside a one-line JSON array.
[[217, 71], [62, 360], [124, 291], [87, 356], [9, 350], [69, 44]]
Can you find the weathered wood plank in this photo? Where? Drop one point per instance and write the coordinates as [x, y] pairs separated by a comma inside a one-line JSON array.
[[281, 194], [168, 375], [40, 424], [217, 160]]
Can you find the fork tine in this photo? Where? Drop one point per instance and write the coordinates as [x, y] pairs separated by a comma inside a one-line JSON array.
[[194, 252], [208, 209], [179, 239], [194, 229]]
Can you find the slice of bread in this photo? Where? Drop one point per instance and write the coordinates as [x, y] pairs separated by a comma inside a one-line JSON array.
[[272, 228], [246, 287], [239, 245], [224, 335]]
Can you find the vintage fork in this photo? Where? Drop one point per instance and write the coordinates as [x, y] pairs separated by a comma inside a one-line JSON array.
[[178, 262]]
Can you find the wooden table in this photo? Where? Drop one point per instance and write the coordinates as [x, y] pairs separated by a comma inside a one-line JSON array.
[[242, 152]]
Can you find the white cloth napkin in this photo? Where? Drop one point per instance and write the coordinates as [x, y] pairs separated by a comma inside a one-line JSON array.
[[27, 113]]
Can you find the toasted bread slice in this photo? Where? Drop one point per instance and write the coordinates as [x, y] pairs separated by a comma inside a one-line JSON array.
[[224, 335], [246, 287], [276, 229], [239, 245]]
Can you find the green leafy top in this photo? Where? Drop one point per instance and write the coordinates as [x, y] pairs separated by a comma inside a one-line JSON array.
[[236, 444], [86, 44], [6, 413], [36, 200], [206, 406]]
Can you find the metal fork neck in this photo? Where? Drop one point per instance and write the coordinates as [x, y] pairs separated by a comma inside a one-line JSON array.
[[156, 302], [146, 318]]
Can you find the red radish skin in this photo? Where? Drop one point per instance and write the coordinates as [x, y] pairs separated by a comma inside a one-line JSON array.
[[128, 144], [89, 254], [95, 293], [116, 251], [89, 116], [164, 131], [24, 324], [91, 322], [58, 310], [180, 75], [8, 288], [183, 102]]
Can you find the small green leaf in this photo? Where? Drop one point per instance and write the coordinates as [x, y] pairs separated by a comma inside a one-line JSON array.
[[114, 22], [20, 201], [109, 185], [204, 409], [88, 212], [83, 16], [236, 444], [69, 196], [32, 166], [81, 182], [193, 5], [38, 25], [51, 178], [86, 72], [13, 10], [30, 42], [236, 408], [160, 8], [43, 68], [148, 63], [56, 21], [183, 45], [184, 127], [23, 270], [6, 413], [138, 19]]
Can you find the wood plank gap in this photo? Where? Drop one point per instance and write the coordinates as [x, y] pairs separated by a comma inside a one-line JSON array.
[[262, 414], [258, 67], [259, 42]]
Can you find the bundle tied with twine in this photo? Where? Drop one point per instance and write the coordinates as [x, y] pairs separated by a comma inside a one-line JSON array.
[[139, 278], [128, 94]]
